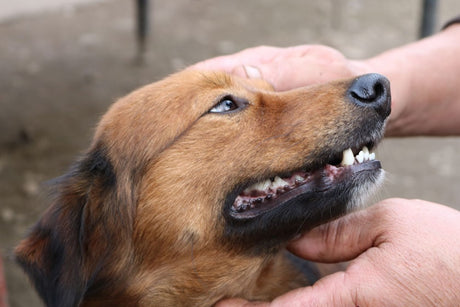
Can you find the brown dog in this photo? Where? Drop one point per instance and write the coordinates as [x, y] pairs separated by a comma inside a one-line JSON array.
[[193, 185]]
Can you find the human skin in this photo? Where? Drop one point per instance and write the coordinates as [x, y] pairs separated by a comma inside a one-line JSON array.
[[424, 77], [402, 252]]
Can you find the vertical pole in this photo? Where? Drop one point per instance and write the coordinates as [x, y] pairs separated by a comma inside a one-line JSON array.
[[142, 28], [428, 22]]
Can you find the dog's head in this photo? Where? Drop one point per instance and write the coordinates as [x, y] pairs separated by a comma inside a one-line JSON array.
[[197, 168]]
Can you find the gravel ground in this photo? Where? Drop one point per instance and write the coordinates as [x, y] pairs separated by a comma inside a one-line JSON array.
[[61, 68]]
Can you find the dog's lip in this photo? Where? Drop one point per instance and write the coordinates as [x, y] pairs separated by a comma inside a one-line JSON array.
[[319, 181], [322, 179]]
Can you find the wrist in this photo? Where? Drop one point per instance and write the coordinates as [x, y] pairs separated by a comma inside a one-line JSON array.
[[423, 76], [394, 65]]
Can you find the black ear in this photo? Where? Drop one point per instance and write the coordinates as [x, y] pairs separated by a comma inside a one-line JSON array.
[[73, 241]]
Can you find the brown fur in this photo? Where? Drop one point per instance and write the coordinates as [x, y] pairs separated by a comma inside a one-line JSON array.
[[138, 220]]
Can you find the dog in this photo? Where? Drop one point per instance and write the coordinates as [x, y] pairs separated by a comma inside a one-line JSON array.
[[193, 186]]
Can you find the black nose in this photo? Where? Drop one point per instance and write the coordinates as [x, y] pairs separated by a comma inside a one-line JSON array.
[[372, 91]]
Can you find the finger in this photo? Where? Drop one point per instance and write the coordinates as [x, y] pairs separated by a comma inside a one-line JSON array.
[[271, 73], [222, 63], [247, 71], [252, 56], [333, 290], [345, 238], [238, 302]]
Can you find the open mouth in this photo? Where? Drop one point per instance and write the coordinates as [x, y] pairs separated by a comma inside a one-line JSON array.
[[271, 193]]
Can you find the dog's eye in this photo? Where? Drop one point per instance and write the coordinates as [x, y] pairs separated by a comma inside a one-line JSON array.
[[225, 105], [228, 104]]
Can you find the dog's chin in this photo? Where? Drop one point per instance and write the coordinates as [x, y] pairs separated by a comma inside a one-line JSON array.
[[270, 212]]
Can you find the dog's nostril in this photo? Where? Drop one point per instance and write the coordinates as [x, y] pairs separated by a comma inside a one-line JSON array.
[[371, 90], [368, 94]]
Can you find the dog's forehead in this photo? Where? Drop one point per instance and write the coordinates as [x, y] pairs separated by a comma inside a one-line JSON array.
[[156, 114], [219, 83]]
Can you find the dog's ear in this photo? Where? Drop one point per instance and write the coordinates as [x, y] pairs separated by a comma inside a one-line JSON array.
[[77, 238]]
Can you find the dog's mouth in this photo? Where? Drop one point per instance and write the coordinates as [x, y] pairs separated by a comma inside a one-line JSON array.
[[273, 192]]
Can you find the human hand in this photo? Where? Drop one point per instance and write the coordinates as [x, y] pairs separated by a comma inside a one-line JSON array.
[[293, 67], [287, 68], [423, 76], [403, 252]]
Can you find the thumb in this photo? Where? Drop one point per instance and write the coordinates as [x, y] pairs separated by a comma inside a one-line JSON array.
[[332, 290], [247, 71], [272, 74], [342, 239], [238, 302]]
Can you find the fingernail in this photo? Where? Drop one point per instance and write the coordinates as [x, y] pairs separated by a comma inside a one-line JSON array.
[[296, 237], [252, 72]]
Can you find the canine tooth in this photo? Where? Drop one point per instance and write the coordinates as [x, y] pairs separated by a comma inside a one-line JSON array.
[[366, 153], [360, 157], [264, 185], [372, 156], [348, 157], [259, 186], [278, 183]]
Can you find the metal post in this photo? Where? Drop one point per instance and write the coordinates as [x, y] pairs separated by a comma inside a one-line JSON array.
[[142, 30], [428, 22]]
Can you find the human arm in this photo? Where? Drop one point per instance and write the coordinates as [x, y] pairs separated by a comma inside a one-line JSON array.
[[403, 253], [424, 76]]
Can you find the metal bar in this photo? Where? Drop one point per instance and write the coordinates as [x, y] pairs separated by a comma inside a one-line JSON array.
[[142, 29], [429, 14]]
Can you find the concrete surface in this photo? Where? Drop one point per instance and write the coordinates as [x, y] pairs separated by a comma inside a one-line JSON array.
[[23, 8], [61, 68]]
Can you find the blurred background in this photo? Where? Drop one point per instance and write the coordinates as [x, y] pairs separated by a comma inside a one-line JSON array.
[[62, 65]]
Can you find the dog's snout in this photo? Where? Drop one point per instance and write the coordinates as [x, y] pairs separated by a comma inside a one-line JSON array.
[[372, 90]]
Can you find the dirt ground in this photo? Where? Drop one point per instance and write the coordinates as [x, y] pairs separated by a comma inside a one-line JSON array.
[[59, 71]]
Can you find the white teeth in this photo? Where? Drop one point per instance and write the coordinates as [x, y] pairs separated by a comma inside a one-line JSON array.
[[264, 185], [348, 157], [299, 178], [278, 182], [259, 186], [268, 184], [366, 153], [360, 157], [363, 155]]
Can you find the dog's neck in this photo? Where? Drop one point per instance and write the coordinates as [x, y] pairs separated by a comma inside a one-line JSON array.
[[202, 282]]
